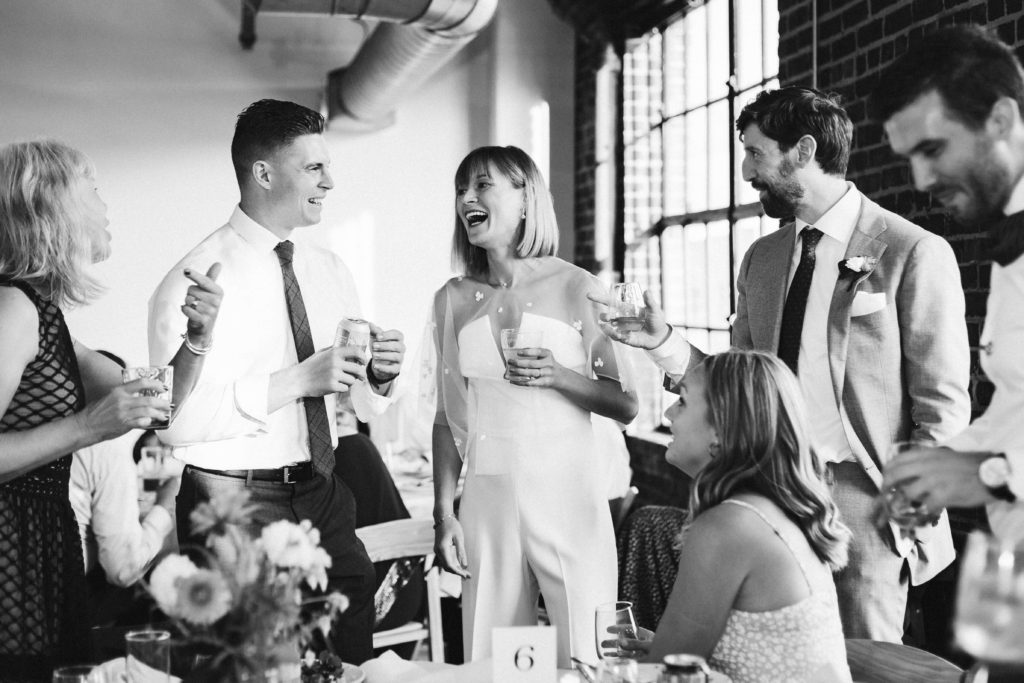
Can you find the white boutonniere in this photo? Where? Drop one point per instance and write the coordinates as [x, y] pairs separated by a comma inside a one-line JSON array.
[[856, 268], [858, 264]]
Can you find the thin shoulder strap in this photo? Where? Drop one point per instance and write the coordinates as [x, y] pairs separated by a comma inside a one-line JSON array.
[[764, 518]]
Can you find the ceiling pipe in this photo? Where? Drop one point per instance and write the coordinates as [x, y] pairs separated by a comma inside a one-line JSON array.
[[414, 40]]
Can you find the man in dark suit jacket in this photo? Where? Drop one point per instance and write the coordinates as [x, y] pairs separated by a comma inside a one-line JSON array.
[[880, 346]]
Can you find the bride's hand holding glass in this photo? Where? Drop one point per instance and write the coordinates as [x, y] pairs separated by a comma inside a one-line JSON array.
[[533, 367]]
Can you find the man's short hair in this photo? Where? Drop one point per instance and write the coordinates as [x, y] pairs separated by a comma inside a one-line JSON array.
[[266, 126], [787, 114], [968, 66]]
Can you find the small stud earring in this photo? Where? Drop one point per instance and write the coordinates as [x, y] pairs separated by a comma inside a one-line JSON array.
[[523, 215]]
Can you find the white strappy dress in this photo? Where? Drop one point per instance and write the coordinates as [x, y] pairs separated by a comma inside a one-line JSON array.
[[799, 643]]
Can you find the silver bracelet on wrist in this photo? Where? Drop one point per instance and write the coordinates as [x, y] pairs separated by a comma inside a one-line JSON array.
[[197, 350], [444, 518]]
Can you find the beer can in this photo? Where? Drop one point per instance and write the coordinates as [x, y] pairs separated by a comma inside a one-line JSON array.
[[684, 668], [354, 332]]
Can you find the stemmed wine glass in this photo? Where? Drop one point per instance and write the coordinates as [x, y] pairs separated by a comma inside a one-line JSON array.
[[613, 619], [989, 622]]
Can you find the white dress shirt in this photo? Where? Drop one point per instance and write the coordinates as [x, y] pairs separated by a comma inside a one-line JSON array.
[[104, 494], [1001, 429], [225, 423], [833, 436]]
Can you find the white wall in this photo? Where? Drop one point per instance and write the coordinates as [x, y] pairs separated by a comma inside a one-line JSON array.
[[150, 91]]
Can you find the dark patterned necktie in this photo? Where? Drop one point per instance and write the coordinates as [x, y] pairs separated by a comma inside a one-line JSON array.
[[796, 301], [321, 449]]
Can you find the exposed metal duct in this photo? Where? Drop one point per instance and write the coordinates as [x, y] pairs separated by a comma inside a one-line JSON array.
[[418, 38]]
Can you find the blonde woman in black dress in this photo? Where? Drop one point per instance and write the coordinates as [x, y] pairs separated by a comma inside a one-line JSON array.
[[57, 396]]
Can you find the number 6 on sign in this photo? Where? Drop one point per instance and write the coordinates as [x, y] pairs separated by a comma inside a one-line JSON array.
[[524, 654]]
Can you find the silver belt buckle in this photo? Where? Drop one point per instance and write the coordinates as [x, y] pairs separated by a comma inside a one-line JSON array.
[[287, 475]]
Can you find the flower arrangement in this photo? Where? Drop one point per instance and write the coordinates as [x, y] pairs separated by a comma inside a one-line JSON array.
[[244, 600]]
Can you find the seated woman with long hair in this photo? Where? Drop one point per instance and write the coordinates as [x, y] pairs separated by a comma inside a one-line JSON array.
[[754, 593]]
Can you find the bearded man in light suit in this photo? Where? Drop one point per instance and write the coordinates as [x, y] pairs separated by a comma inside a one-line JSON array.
[[878, 339]]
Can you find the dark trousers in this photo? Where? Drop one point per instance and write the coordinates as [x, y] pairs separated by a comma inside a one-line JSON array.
[[330, 506]]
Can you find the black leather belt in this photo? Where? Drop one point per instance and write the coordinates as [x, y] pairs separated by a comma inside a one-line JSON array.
[[289, 474]]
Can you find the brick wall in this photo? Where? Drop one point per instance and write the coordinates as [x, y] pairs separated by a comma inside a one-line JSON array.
[[589, 58], [856, 40]]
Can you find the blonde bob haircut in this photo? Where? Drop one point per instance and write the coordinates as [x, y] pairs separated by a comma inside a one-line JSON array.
[[755, 404], [538, 232], [42, 238]]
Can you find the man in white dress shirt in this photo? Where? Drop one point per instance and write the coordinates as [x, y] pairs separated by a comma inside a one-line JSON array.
[[262, 415], [952, 106], [867, 309]]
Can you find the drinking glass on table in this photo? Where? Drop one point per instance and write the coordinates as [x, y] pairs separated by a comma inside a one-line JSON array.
[[617, 670], [612, 621], [148, 656], [989, 621], [513, 339], [161, 373], [627, 309]]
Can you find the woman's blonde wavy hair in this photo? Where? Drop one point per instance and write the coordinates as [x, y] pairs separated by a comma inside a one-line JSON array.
[[538, 232], [756, 407], [42, 238]]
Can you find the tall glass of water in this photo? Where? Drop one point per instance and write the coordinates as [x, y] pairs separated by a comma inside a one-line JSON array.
[[989, 623], [613, 620]]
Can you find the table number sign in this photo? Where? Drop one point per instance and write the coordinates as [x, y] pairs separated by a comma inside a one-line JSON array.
[[524, 654]]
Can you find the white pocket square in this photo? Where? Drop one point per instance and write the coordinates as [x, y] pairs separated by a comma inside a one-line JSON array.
[[865, 303]]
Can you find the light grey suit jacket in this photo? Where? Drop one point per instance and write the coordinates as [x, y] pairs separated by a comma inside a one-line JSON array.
[[902, 371]]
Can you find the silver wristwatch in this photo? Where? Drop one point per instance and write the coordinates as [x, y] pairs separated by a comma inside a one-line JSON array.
[[994, 474]]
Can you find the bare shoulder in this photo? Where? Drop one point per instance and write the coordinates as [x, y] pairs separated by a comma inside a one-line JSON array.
[[727, 527], [16, 309], [19, 325]]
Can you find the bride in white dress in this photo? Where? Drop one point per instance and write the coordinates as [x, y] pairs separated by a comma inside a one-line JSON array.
[[533, 517]]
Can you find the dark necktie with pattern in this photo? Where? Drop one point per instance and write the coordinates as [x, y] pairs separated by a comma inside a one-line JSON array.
[[796, 301], [321, 449]]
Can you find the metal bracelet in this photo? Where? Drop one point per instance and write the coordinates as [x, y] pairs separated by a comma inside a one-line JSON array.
[[444, 518], [197, 350]]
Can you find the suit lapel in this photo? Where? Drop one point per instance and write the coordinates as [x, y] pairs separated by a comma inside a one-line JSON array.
[[863, 242], [766, 288]]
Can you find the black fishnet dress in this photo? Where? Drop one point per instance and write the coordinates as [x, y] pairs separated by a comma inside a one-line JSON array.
[[42, 578]]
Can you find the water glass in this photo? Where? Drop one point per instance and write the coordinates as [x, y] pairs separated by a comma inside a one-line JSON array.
[[161, 373], [514, 338], [613, 620], [989, 622], [148, 656], [75, 674], [627, 310], [617, 670]]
